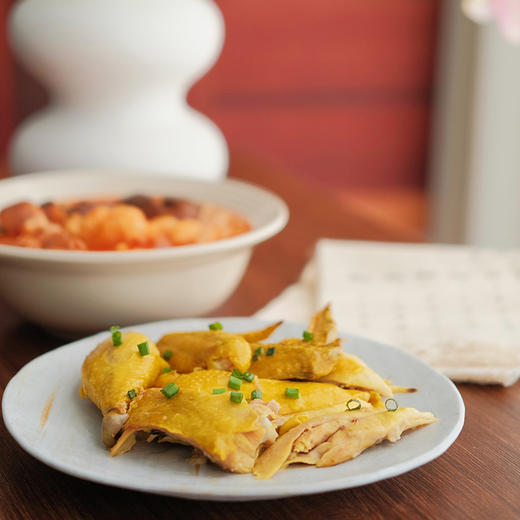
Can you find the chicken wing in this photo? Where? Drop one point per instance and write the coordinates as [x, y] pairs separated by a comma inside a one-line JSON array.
[[110, 372], [323, 327], [206, 349], [349, 370], [255, 336], [229, 434]]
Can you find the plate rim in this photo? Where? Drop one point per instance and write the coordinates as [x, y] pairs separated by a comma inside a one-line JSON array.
[[282, 490]]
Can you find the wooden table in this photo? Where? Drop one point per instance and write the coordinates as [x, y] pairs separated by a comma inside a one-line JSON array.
[[478, 477]]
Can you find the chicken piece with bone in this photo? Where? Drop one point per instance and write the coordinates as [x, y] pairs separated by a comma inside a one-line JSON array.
[[311, 359], [331, 439], [310, 395], [211, 349], [228, 433], [117, 371]]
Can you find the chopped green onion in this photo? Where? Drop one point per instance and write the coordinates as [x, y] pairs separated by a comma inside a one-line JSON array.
[[270, 351], [114, 328], [166, 370], [117, 338], [353, 404], [219, 390], [292, 393], [2, 229], [248, 376], [170, 390], [237, 373], [391, 405], [234, 382], [254, 358], [132, 394], [143, 348], [236, 397], [307, 336], [256, 394], [258, 351], [167, 355], [215, 326]]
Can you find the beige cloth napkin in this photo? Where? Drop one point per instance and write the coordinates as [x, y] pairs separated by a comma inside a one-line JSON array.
[[456, 307]]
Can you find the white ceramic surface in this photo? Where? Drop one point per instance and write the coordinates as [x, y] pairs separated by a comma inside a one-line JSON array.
[[86, 291], [70, 439], [118, 73]]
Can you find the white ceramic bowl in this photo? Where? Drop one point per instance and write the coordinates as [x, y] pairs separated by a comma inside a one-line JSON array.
[[84, 291]]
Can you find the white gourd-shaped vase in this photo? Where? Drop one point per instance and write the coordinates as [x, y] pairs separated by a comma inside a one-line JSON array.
[[118, 72]]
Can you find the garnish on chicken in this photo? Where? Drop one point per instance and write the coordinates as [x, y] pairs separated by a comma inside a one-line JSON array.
[[110, 372], [312, 396], [227, 433]]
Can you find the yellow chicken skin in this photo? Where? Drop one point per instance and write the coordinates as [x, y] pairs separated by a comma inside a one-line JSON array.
[[331, 439], [109, 372], [230, 434], [312, 396], [294, 359], [351, 372], [206, 349], [323, 327], [255, 336]]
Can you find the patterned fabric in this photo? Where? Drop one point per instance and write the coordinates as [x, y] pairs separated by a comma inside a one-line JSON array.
[[455, 307]]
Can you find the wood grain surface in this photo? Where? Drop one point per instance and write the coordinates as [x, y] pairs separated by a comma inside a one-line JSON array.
[[477, 478]]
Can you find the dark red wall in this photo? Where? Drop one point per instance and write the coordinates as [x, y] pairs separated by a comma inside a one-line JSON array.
[[339, 90]]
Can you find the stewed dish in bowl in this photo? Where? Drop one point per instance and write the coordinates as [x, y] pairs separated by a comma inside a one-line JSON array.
[[81, 248]]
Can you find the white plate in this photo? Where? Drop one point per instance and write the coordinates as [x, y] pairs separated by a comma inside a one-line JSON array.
[[70, 439]]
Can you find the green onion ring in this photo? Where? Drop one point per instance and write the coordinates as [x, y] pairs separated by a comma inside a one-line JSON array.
[[352, 408], [391, 407]]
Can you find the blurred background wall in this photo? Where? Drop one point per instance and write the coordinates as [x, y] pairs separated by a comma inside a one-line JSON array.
[[315, 87]]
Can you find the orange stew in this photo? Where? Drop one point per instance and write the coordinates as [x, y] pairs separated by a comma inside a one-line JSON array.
[[137, 222]]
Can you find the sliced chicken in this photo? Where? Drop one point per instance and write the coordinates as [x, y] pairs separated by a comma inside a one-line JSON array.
[[311, 396], [332, 439], [205, 349], [109, 372], [351, 372], [255, 336], [294, 359], [323, 327], [229, 434]]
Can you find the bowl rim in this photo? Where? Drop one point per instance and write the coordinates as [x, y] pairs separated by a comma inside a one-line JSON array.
[[248, 239]]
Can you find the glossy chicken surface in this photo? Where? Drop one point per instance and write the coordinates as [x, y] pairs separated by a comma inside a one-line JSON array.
[[331, 439], [349, 371], [206, 349], [323, 327], [255, 336], [319, 359], [312, 396], [294, 359], [110, 372], [229, 434], [248, 406], [328, 364]]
